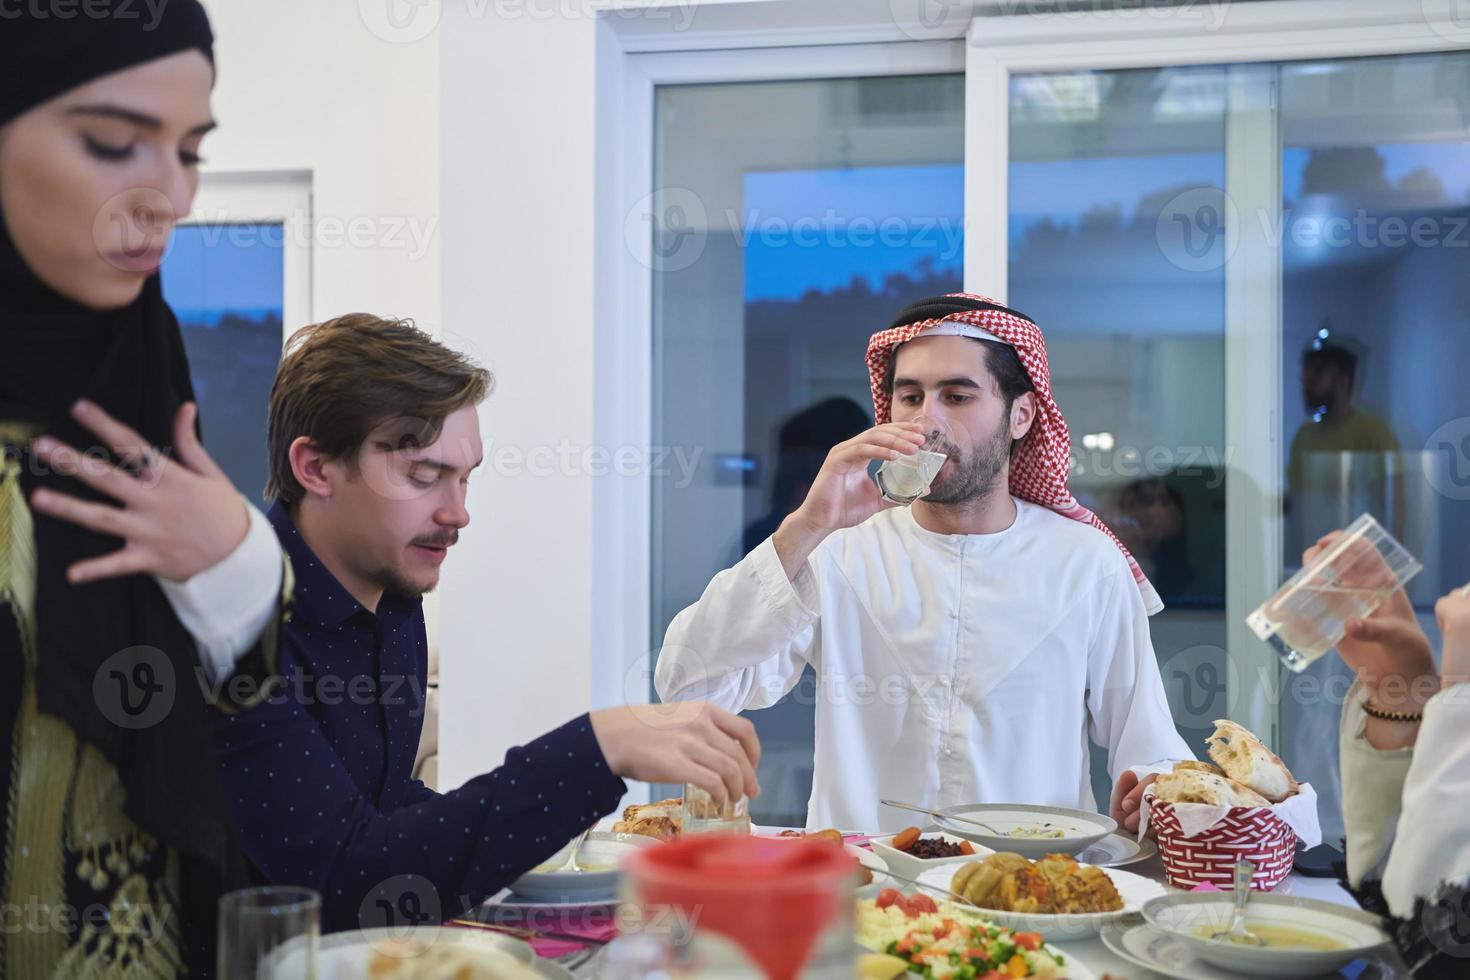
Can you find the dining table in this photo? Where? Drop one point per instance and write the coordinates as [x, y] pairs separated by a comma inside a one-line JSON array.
[[1089, 951]]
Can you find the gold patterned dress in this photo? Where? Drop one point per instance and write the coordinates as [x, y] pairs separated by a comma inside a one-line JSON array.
[[84, 892]]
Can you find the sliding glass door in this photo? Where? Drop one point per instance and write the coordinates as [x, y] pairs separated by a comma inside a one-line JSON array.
[[1145, 224], [798, 217]]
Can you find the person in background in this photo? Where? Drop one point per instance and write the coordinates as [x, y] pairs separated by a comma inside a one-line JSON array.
[[965, 647], [123, 547], [1151, 525], [802, 445], [1404, 739], [370, 495], [1334, 426]]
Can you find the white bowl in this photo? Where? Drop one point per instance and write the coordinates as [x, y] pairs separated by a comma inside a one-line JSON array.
[[1181, 916], [1135, 890], [600, 849], [1080, 828], [909, 866]]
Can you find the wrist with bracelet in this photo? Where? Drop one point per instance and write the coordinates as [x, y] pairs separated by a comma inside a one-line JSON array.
[[1397, 698]]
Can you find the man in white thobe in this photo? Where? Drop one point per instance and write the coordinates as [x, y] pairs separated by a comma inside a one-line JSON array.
[[965, 647]]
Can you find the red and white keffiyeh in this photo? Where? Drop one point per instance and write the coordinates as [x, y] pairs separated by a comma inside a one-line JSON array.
[[1041, 461]]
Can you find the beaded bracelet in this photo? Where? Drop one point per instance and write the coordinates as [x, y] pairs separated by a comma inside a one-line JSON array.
[[1382, 715]]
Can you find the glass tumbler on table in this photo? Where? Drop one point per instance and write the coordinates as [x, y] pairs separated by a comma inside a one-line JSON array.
[[269, 933]]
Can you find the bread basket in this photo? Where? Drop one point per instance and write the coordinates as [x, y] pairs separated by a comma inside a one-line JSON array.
[[1251, 833]]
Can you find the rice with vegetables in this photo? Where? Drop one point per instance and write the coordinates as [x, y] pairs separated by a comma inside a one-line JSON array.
[[948, 941]]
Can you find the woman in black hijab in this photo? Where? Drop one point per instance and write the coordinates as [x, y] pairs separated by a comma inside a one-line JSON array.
[[117, 844]]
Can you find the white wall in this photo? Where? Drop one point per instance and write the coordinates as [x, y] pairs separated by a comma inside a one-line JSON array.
[[310, 86], [518, 174]]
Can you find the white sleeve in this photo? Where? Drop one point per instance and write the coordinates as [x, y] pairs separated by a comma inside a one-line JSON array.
[[1432, 844], [1125, 696], [746, 641], [228, 606], [1372, 790]]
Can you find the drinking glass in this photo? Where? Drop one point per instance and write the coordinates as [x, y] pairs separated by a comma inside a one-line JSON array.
[[907, 478], [254, 925], [1309, 614]]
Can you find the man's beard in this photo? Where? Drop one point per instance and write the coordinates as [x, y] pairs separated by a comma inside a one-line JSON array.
[[398, 585], [974, 473]]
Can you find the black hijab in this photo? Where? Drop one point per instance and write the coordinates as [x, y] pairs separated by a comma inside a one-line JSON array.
[[131, 362]]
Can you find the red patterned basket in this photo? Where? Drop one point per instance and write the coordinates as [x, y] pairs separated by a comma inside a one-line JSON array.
[[1253, 833]]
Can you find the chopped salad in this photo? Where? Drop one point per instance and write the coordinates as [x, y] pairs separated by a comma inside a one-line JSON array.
[[942, 940]]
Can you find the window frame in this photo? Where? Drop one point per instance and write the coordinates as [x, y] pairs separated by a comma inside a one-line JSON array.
[[266, 197], [624, 648]]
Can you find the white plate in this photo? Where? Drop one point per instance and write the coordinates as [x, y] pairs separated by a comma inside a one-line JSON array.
[[1158, 952], [1116, 850], [911, 867], [1180, 915], [347, 955], [569, 886], [1134, 889], [874, 863], [1081, 828], [1072, 968]]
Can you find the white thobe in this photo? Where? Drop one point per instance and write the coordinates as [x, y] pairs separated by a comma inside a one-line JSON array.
[[951, 668]]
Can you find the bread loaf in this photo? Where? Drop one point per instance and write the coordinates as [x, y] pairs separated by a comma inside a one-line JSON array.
[[1244, 759]]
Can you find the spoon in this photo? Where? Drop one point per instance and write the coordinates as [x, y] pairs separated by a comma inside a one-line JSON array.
[[940, 814], [1238, 933], [571, 863]]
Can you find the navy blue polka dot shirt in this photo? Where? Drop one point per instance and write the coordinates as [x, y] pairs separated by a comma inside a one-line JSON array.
[[319, 776]]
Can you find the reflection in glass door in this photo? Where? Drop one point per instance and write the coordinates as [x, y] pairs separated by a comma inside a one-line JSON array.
[[1375, 243], [1122, 187], [1135, 324], [808, 213]]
